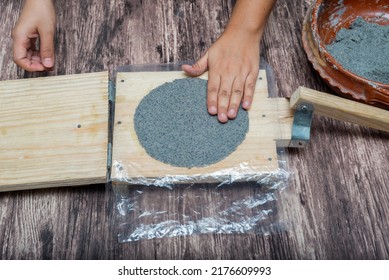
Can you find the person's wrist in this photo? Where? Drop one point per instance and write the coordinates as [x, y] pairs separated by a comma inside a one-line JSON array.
[[252, 33]]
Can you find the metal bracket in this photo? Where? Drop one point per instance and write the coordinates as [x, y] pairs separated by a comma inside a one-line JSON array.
[[301, 128]]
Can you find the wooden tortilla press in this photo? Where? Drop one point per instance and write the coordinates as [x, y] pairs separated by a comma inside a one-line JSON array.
[[57, 131]]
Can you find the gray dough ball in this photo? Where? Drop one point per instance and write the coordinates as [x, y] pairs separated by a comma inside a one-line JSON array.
[[364, 50]]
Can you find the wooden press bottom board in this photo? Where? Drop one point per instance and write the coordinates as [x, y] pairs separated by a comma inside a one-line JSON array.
[[53, 131], [270, 119]]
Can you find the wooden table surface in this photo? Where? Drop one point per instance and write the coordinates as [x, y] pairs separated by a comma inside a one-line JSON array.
[[336, 205]]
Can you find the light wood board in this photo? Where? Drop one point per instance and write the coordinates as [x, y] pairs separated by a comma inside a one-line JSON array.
[[270, 119], [53, 131]]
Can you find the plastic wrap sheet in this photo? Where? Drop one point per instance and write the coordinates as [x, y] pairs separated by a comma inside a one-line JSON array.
[[230, 201], [240, 173], [169, 207]]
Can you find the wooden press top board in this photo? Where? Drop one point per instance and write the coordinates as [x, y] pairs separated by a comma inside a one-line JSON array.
[[270, 119], [53, 131]]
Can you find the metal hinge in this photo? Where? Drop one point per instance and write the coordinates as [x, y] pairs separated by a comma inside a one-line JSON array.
[[301, 128], [111, 100]]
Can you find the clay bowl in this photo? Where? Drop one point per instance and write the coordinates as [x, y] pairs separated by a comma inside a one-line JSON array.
[[322, 22]]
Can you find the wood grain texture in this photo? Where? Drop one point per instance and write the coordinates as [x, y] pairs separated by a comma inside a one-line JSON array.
[[337, 202], [54, 131], [130, 160], [342, 109]]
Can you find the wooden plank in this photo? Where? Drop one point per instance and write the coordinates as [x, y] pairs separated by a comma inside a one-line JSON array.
[[258, 150], [342, 109], [54, 131]]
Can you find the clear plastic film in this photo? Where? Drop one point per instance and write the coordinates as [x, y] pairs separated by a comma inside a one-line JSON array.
[[233, 200], [155, 212], [240, 173]]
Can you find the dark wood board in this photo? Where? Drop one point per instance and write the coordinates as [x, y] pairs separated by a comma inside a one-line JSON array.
[[337, 202]]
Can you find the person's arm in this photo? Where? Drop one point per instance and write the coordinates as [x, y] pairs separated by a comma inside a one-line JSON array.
[[233, 60], [37, 20]]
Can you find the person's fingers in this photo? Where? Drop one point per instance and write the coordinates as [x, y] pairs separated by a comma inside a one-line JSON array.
[[223, 98], [198, 68], [249, 89], [46, 41], [212, 91], [236, 98], [30, 65], [35, 58], [23, 56]]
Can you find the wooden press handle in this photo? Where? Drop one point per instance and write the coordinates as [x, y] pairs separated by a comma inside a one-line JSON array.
[[342, 109]]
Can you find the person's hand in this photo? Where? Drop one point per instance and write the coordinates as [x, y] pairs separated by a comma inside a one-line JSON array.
[[233, 65], [37, 21], [233, 60]]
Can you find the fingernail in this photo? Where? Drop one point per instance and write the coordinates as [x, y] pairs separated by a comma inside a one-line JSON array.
[[231, 113], [223, 117], [48, 62], [246, 104], [213, 110]]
